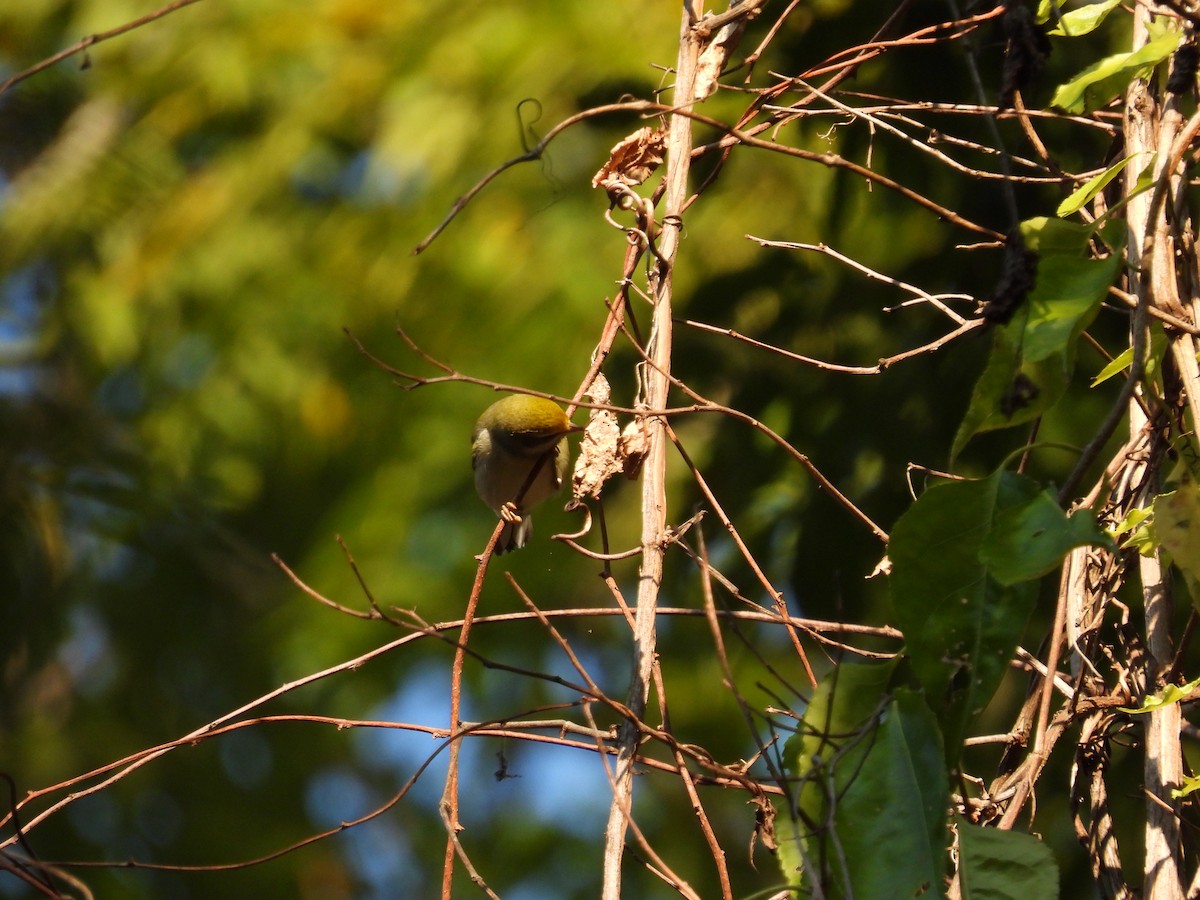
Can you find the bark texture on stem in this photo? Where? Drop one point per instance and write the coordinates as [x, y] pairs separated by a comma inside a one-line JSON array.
[[1150, 132], [654, 493]]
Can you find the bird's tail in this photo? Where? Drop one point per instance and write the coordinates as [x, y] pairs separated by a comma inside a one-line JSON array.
[[515, 535]]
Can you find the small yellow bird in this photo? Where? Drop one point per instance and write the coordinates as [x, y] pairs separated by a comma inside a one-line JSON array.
[[512, 437]]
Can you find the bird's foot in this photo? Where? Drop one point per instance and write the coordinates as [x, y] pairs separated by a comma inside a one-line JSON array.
[[510, 513]]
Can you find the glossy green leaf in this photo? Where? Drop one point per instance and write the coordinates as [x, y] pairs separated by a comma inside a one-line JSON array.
[[1004, 865], [1048, 235], [1082, 21], [1191, 784], [1172, 693], [1119, 364], [1101, 82], [1083, 195], [1067, 297], [1137, 526], [1144, 182], [873, 790], [1010, 391], [1150, 368]]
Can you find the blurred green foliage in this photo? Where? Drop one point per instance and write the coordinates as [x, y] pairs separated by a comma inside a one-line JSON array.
[[191, 215]]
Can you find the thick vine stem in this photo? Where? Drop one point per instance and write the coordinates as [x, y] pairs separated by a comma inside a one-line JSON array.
[[1150, 132], [654, 506]]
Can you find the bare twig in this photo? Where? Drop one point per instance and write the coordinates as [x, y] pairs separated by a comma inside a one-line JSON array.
[[91, 40]]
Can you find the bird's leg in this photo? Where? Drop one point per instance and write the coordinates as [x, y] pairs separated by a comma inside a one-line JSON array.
[[510, 512]]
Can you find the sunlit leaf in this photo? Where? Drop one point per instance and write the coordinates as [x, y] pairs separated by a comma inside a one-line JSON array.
[[1119, 364], [1131, 521], [1049, 235], [1067, 297], [1099, 83], [1177, 526], [1081, 21], [1011, 390], [1172, 693], [1191, 784], [1083, 195]]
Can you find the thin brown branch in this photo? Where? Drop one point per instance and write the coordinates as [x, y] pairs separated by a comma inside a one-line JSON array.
[[834, 161], [533, 153], [81, 46], [321, 598], [775, 594], [689, 785], [885, 363], [714, 627], [448, 806]]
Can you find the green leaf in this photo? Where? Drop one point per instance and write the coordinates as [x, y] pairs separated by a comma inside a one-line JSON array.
[[872, 793], [1172, 693], [844, 701], [1139, 525], [1030, 539], [1083, 20], [1046, 235], [1049, 235], [1131, 521], [961, 623], [1150, 369], [1083, 195], [1114, 233], [1191, 784], [1171, 524], [1144, 182], [1033, 355], [1177, 520], [1010, 391], [1177, 526], [1004, 865], [1108, 78], [1067, 297], [1044, 11], [1120, 363]]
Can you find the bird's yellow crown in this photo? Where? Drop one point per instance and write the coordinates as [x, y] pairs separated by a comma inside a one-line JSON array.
[[523, 414]]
